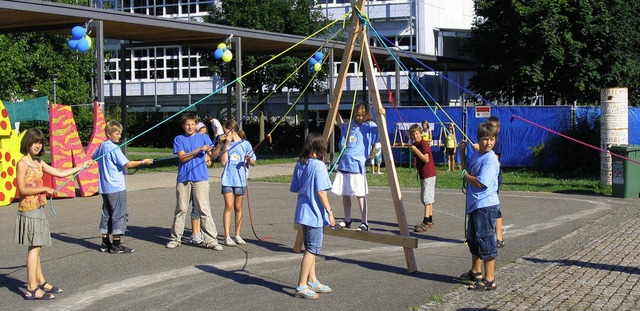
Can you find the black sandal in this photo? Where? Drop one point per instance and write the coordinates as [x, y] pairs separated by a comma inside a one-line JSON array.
[[45, 296], [53, 289], [470, 277], [483, 285]]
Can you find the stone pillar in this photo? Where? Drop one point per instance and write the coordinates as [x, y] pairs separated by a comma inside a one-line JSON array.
[[614, 126]]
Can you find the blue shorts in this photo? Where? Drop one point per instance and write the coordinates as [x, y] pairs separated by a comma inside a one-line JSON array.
[[313, 239], [481, 232], [234, 190]]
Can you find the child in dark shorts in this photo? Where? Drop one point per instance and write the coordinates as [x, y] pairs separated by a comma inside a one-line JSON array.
[[481, 175]]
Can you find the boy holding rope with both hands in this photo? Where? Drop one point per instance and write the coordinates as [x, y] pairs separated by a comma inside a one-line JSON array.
[[115, 211]]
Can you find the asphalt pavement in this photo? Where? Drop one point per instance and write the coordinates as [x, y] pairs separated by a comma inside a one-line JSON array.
[[563, 252]]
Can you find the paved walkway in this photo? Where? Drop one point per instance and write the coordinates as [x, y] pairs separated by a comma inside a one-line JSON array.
[[564, 252], [594, 268]]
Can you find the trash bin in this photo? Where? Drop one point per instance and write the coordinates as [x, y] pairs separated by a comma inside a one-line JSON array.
[[625, 175]]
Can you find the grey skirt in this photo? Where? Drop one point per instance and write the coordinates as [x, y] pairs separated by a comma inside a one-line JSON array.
[[32, 228]]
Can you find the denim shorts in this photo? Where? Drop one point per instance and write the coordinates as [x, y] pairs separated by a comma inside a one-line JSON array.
[[234, 190], [481, 232], [313, 239]]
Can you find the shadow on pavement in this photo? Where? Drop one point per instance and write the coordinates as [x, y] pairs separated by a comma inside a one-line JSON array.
[[12, 284], [584, 264], [155, 235], [242, 277], [67, 238], [396, 270]]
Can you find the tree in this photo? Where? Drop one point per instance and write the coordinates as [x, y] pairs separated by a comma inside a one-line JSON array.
[[283, 16], [564, 50], [29, 61]]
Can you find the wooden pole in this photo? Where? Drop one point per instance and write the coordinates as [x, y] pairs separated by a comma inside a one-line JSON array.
[[356, 32], [334, 104]]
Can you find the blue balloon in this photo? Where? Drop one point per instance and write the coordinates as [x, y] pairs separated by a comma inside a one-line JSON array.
[[312, 69], [318, 56], [83, 45], [73, 44], [218, 53], [78, 32], [312, 61]]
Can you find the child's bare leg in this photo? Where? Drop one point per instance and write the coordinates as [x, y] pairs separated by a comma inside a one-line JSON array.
[[312, 273], [362, 201], [306, 266], [499, 229], [346, 203], [489, 269], [226, 216], [476, 264], [195, 226], [237, 207], [34, 270]]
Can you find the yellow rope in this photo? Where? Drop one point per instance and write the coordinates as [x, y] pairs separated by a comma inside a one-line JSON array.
[[293, 73]]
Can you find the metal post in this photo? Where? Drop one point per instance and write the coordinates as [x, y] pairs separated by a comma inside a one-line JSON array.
[[54, 77]]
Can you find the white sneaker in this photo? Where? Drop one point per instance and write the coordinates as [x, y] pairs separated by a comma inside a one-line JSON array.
[[229, 242], [173, 244], [380, 173], [196, 239], [214, 246], [239, 240]]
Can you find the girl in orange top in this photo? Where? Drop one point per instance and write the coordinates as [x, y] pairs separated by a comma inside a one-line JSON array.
[[32, 227]]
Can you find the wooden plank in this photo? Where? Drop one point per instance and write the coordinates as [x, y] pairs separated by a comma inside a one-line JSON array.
[[390, 165], [369, 236]]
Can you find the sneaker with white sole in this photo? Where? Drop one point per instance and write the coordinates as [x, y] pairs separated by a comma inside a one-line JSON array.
[[229, 242], [215, 246], [239, 240], [173, 244], [196, 239], [104, 247], [121, 249]]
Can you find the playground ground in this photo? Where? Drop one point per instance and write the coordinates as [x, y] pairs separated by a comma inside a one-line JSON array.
[[562, 252]]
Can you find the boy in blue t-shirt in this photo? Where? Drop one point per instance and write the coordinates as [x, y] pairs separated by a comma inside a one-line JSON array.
[[115, 212], [481, 174], [193, 182]]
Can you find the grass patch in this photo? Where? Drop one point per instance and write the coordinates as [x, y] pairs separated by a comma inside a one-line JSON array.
[[514, 180]]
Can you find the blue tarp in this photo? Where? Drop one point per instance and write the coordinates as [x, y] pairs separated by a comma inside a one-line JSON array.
[[518, 136]]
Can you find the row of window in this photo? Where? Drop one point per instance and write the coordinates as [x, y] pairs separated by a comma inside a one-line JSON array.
[[169, 63]]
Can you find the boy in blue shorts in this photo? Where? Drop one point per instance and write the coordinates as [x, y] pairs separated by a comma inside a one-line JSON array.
[[115, 212], [481, 174]]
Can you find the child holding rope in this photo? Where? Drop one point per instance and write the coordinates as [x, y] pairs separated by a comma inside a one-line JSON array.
[[423, 162], [193, 182], [351, 179], [497, 149], [115, 212], [481, 174], [32, 226], [235, 152], [313, 211], [196, 236]]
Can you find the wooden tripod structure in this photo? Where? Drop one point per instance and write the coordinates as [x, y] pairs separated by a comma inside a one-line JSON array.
[[357, 33]]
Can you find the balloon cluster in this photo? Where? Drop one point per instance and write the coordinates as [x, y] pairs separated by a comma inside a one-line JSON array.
[[315, 62], [79, 40], [223, 52]]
